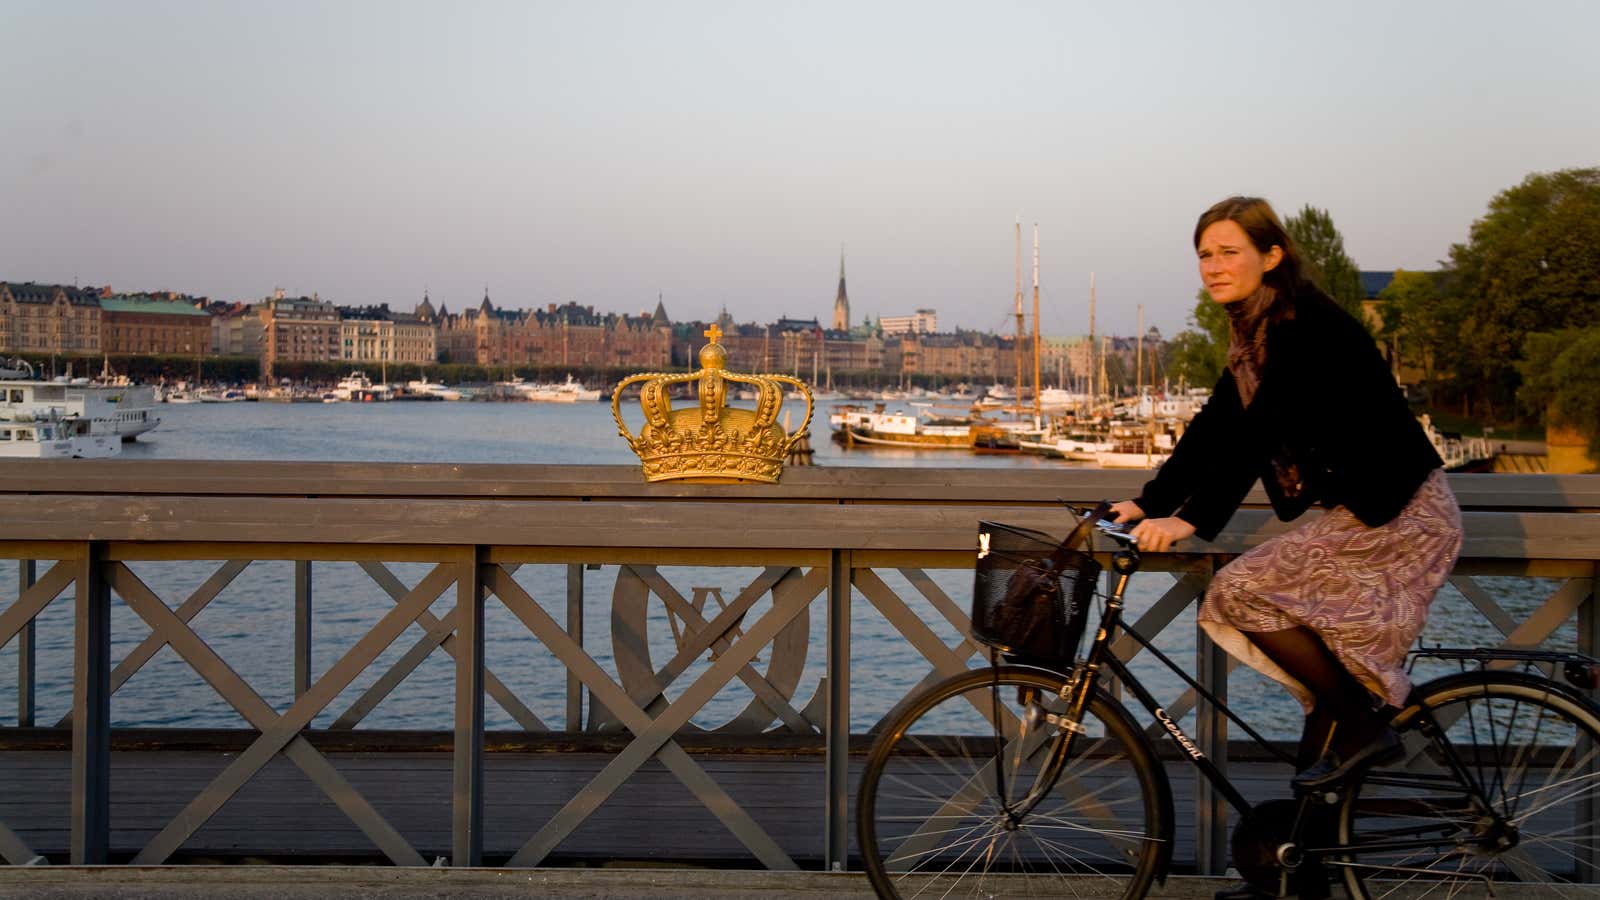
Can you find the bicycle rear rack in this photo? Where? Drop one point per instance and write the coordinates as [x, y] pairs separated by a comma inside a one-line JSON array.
[[1579, 669]]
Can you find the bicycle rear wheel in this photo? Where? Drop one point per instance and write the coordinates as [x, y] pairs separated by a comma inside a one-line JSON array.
[[948, 809], [1533, 750]]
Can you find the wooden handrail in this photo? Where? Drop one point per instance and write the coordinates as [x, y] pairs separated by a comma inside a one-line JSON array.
[[1006, 486]]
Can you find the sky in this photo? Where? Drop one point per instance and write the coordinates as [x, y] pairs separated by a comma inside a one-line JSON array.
[[723, 154]]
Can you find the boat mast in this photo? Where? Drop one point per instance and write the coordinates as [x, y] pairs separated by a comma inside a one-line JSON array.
[[1138, 358], [1017, 401], [1095, 383], [1150, 422], [1103, 385], [1036, 324]]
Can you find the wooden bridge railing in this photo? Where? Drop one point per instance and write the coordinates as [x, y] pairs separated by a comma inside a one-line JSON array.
[[603, 772]]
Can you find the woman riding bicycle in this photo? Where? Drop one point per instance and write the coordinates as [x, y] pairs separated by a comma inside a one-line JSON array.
[[1309, 406]]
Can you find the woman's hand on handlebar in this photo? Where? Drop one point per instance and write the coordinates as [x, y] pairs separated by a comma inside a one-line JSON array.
[[1125, 511], [1158, 535]]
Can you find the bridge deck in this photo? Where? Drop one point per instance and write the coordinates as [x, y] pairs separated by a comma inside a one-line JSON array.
[[281, 814]]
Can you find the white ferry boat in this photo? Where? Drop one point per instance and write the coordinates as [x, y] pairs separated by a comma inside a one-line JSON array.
[[122, 412]]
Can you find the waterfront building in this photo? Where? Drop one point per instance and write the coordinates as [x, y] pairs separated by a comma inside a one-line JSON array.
[[56, 319], [923, 321], [1125, 355], [1070, 358], [850, 352], [378, 334], [298, 329], [485, 335], [640, 342], [964, 355], [568, 335], [796, 347], [452, 340], [157, 324], [559, 335], [237, 330], [49, 318]]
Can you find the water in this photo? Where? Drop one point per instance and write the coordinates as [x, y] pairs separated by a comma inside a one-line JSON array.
[[250, 624], [569, 433]]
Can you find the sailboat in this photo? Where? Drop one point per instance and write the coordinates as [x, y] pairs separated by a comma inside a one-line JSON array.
[[1032, 434], [1138, 444]]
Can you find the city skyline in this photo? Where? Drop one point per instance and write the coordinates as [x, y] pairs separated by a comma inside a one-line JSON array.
[[719, 155]]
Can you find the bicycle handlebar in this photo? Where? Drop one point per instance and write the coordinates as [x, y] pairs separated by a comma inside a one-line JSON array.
[[1117, 531]]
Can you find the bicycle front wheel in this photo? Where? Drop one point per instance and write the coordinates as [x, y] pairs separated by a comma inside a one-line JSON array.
[[1511, 800], [951, 806]]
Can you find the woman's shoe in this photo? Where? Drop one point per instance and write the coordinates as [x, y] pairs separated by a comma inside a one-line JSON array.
[[1330, 770]]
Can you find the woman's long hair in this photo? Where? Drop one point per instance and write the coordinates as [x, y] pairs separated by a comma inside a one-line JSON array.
[[1256, 217]]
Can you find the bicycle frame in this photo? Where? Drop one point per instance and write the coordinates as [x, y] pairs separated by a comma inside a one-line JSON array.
[[1085, 678]]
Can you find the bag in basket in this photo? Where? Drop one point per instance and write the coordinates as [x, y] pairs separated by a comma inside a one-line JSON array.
[[1031, 594]]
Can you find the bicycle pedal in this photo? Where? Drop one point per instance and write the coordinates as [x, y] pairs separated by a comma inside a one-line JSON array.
[[1328, 796]]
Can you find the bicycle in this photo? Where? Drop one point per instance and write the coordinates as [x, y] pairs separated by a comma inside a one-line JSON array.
[[1027, 778]]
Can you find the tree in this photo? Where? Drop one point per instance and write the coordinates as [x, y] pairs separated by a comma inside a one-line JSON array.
[[1200, 353], [1561, 375], [1420, 325], [1326, 264], [1531, 264]]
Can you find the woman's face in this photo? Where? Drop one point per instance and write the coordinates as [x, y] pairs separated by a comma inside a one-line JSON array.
[[1230, 265]]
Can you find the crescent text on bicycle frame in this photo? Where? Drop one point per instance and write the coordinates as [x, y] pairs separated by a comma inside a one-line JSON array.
[[1178, 735]]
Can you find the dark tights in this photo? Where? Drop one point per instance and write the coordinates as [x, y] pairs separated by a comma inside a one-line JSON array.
[[1343, 718]]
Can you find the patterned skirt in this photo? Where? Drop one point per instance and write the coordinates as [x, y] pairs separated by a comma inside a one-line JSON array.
[[1365, 591]]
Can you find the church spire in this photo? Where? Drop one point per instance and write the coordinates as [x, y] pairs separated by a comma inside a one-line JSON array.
[[841, 303]]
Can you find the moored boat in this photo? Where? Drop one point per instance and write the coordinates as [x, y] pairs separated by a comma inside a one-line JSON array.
[[358, 387], [894, 429], [50, 435], [433, 389], [569, 391], [1135, 447], [122, 411]]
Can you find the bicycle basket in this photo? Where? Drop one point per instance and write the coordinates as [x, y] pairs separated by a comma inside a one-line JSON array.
[[1031, 593]]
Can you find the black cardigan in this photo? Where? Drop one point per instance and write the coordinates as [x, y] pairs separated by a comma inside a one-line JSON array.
[[1326, 401]]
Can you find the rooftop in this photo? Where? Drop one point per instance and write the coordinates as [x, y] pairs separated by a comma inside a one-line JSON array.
[[125, 304]]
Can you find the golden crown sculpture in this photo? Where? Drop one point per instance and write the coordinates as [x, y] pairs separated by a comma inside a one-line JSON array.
[[716, 442]]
